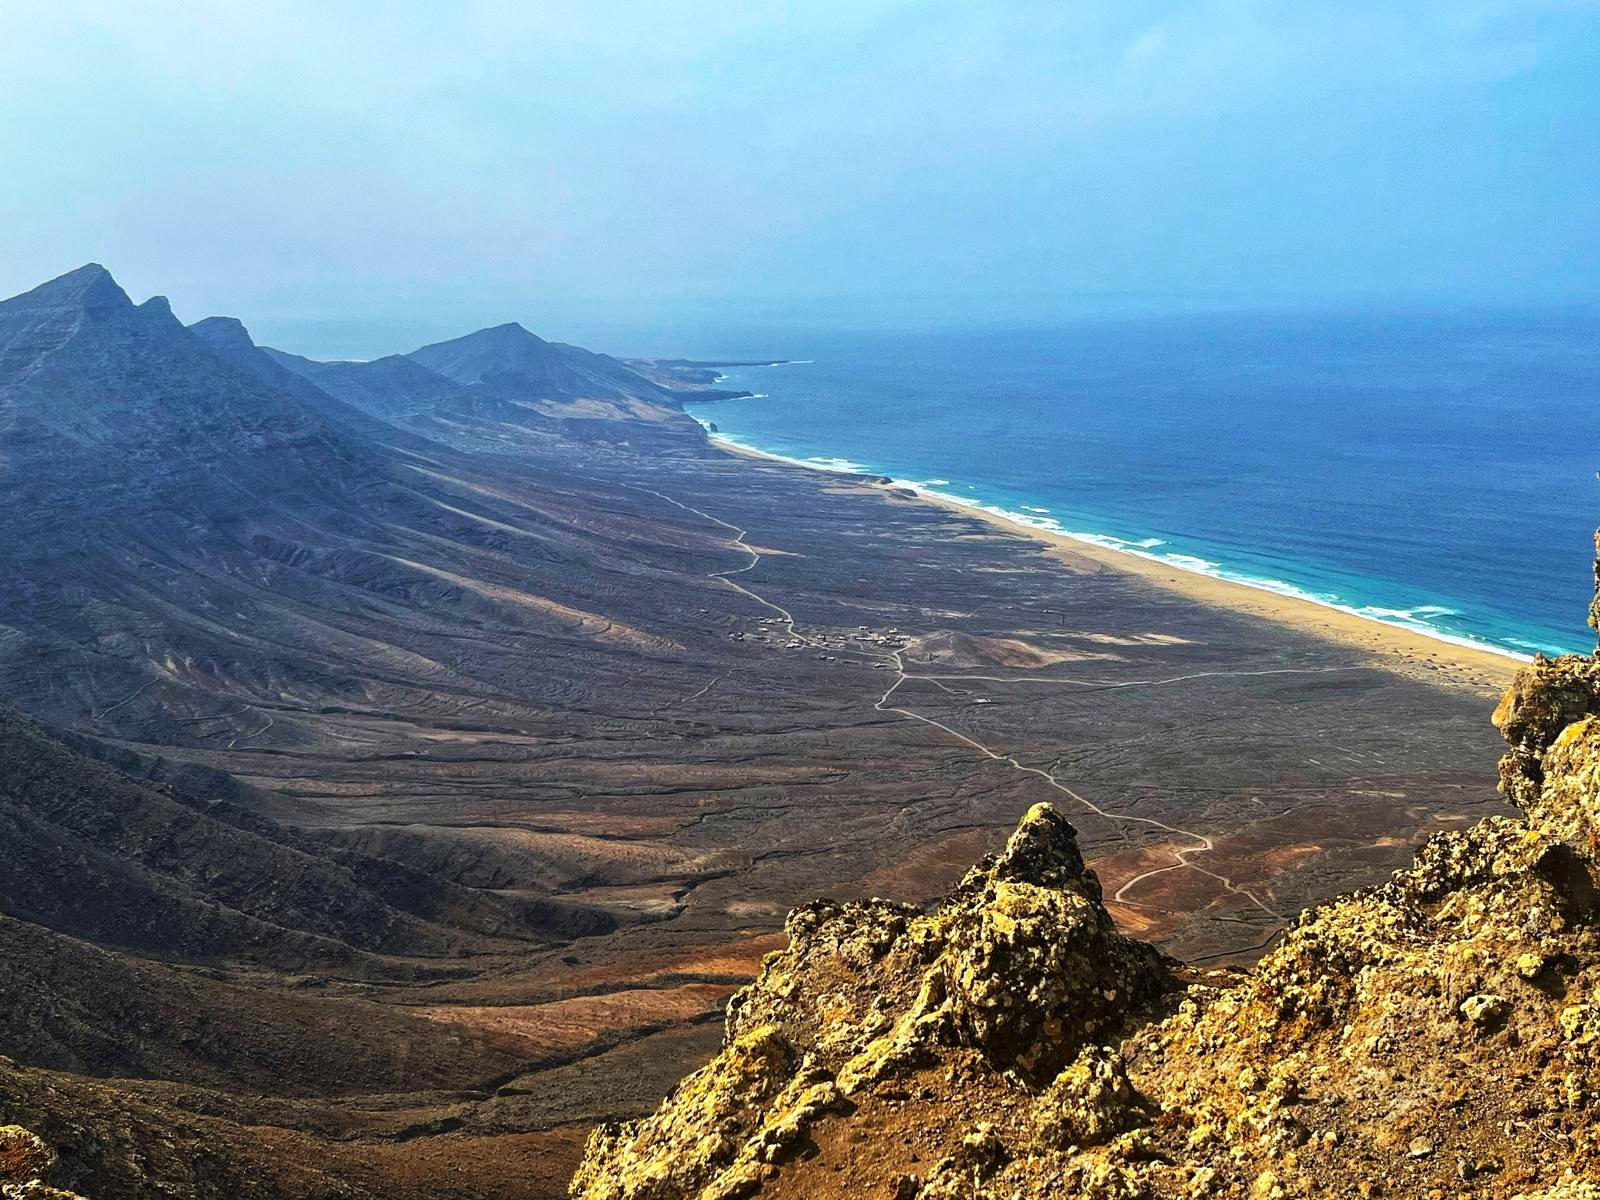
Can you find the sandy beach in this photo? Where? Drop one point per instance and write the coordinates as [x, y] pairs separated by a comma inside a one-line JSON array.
[[1403, 650]]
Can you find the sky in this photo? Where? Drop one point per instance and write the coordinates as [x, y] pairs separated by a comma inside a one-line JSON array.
[[360, 177]]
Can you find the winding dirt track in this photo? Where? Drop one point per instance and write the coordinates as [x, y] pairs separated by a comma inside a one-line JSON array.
[[1182, 856]]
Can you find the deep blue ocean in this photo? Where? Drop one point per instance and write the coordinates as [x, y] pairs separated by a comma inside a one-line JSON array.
[[1434, 471]]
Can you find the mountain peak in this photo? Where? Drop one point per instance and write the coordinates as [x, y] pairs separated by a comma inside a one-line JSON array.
[[486, 353], [89, 272], [89, 287], [38, 323], [223, 333], [512, 333]]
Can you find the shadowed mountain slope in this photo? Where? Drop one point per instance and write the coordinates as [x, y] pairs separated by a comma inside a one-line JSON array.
[[97, 393], [587, 392], [168, 873], [518, 364], [188, 516], [394, 387], [409, 395], [230, 340], [505, 390]]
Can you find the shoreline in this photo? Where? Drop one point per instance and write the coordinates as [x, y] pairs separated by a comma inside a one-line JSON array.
[[1440, 659]]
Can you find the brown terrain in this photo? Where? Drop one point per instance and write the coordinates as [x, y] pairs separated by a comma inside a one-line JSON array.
[[1438, 1035], [403, 767]]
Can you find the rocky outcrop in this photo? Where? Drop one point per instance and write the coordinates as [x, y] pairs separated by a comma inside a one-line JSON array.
[[1436, 1036], [25, 1162], [1015, 977]]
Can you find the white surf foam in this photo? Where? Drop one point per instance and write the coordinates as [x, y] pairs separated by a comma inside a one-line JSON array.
[[1415, 619], [835, 464]]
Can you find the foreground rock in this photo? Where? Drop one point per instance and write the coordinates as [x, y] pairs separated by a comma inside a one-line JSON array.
[[1436, 1036], [25, 1162], [1017, 973]]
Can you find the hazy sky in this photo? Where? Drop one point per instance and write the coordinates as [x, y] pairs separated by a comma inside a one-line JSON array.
[[638, 170]]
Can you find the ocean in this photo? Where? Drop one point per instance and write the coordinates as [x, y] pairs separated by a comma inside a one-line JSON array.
[[1431, 471]]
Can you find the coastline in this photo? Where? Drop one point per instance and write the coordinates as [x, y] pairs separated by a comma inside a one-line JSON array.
[[1441, 660]]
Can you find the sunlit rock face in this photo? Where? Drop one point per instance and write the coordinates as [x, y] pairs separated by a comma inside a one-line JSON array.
[[26, 1161]]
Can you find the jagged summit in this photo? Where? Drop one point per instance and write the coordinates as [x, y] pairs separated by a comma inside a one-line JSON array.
[[88, 287], [228, 338], [95, 389], [1017, 975], [1043, 850], [39, 322], [220, 332], [493, 389]]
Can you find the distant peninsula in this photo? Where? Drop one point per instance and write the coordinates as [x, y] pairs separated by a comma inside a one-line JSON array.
[[696, 362], [699, 376]]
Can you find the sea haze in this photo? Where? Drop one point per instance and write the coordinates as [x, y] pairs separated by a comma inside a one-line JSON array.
[[1434, 471]]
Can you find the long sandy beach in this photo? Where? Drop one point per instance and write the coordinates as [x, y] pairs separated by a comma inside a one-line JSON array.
[[1404, 650]]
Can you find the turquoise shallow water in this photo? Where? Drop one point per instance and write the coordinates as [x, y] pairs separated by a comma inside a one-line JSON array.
[[1431, 471]]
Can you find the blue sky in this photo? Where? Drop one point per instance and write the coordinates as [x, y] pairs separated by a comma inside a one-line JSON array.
[[631, 173]]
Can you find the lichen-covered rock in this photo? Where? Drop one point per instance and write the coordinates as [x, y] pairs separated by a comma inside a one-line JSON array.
[[1020, 969], [1090, 1102], [1442, 1027], [704, 1129], [1034, 967], [1544, 699], [23, 1155], [1570, 1189], [25, 1161], [1546, 696], [1567, 807]]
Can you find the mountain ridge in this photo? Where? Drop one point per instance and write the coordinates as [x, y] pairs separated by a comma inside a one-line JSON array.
[[502, 389]]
